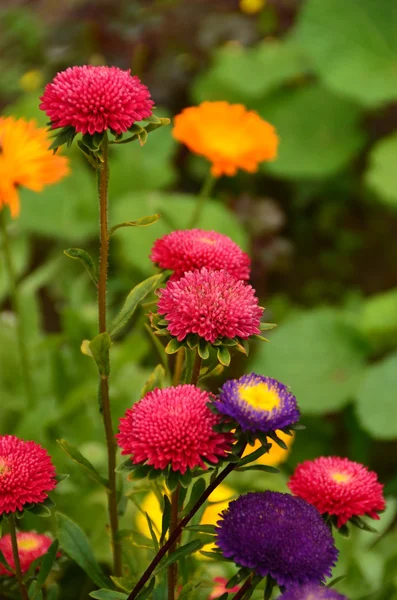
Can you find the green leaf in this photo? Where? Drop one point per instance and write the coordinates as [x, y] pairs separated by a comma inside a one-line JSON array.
[[85, 259], [173, 346], [319, 355], [180, 552], [142, 222], [376, 399], [377, 319], [197, 490], [166, 518], [75, 544], [264, 468], [4, 562], [47, 562], [267, 326], [381, 176], [215, 372], [156, 380], [104, 594], [353, 47], [85, 464], [252, 456], [203, 349], [99, 347], [313, 147], [145, 593], [152, 533], [160, 349], [223, 356], [133, 299]]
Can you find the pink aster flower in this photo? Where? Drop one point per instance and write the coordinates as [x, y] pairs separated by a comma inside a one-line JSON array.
[[26, 474], [338, 486], [94, 99], [212, 304], [220, 588], [172, 427], [189, 249], [31, 546]]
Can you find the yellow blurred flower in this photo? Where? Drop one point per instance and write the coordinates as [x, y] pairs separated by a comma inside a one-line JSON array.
[[25, 161], [228, 135], [277, 455], [251, 7], [31, 80], [218, 501]]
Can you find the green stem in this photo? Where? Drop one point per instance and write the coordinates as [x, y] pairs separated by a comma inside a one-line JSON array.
[[103, 175], [16, 306], [182, 523], [18, 571], [173, 569], [196, 369], [180, 355], [203, 196]]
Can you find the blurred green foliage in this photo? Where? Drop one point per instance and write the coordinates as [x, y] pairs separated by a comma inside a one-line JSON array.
[[320, 224]]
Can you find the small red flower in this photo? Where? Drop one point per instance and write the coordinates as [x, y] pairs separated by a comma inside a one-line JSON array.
[[190, 249], [172, 427], [94, 99], [220, 588], [212, 304], [338, 486], [31, 546], [26, 474]]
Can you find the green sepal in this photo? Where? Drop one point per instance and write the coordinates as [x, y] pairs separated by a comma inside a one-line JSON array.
[[65, 136], [273, 436], [267, 326], [86, 261], [261, 338], [125, 465], [100, 347], [192, 341], [142, 222], [215, 372], [173, 346], [203, 349], [215, 555], [336, 580], [223, 356], [270, 585], [363, 525], [43, 509], [297, 427], [93, 142], [172, 480], [85, 464]]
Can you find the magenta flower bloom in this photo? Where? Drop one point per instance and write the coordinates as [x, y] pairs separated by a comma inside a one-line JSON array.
[[26, 474], [211, 304], [258, 403], [312, 591], [189, 249], [95, 99], [172, 427], [31, 545], [278, 535]]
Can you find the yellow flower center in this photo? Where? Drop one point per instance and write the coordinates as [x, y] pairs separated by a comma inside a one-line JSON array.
[[4, 468], [250, 7], [260, 396], [28, 544], [207, 240], [340, 477]]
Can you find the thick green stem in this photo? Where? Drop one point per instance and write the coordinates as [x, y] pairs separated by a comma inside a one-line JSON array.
[[180, 356], [16, 306], [104, 380], [173, 569], [203, 196], [18, 571]]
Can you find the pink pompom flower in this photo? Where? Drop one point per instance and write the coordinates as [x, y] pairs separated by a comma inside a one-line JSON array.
[[26, 474], [94, 99], [189, 249], [31, 546], [172, 427], [211, 304], [338, 487]]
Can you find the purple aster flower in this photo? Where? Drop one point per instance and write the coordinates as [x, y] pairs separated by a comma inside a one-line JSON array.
[[258, 403], [278, 535], [312, 591]]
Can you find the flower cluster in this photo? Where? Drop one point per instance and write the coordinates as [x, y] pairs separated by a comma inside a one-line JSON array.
[[278, 535], [31, 546], [26, 474], [339, 487]]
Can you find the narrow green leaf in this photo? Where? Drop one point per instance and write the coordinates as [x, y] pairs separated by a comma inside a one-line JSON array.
[[145, 593], [152, 532], [197, 490], [142, 222], [4, 562], [156, 380], [105, 594], [165, 522], [160, 349], [273, 436], [335, 581], [75, 544], [173, 346], [224, 356], [41, 510], [85, 464], [53, 592], [47, 562], [179, 553], [215, 372], [85, 259], [208, 529], [267, 326], [265, 468], [214, 555], [125, 465], [253, 456], [123, 583], [132, 301], [99, 347]]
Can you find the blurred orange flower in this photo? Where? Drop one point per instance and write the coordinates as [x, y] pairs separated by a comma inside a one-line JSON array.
[[228, 135], [25, 161], [276, 455]]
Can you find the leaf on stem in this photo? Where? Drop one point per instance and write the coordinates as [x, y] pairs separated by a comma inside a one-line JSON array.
[[180, 552], [156, 380], [85, 464], [142, 222], [86, 261], [99, 347]]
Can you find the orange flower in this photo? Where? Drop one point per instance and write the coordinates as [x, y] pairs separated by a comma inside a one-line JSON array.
[[25, 161], [276, 455], [228, 135]]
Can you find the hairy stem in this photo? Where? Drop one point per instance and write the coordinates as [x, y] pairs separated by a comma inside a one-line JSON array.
[[173, 569], [18, 571], [16, 306], [103, 175], [203, 196]]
